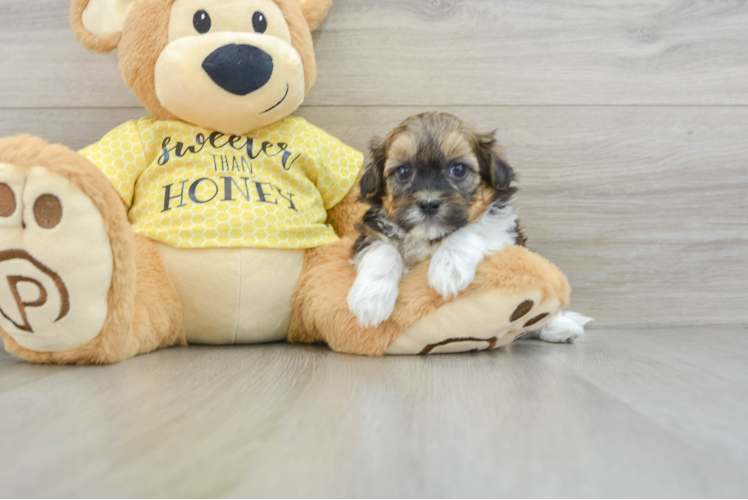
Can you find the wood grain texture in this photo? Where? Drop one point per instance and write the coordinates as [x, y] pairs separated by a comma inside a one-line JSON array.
[[627, 124], [621, 413], [644, 208], [439, 52]]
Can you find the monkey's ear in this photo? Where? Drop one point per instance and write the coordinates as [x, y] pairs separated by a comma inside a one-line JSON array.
[[315, 11], [98, 23], [493, 167], [372, 179]]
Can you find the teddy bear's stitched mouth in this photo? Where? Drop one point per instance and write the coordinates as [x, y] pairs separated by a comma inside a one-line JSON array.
[[288, 87]]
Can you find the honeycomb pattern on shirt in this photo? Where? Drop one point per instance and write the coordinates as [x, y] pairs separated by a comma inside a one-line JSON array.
[[194, 188]]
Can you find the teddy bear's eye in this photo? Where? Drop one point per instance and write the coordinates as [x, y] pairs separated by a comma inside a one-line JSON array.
[[259, 22], [201, 21]]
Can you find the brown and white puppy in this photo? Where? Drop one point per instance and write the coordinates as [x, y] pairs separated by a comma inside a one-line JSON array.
[[437, 189]]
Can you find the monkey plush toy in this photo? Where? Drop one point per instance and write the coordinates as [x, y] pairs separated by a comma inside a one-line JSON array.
[[218, 218]]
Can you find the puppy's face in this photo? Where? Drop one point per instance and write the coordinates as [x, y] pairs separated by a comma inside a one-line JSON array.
[[433, 175]]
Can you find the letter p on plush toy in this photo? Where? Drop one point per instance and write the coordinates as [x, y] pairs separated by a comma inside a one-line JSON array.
[[217, 219]]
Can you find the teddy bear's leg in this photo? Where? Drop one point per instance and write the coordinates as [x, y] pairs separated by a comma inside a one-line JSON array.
[[76, 284], [515, 291]]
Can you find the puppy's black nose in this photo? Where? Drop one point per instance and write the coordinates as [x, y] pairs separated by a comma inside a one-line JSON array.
[[239, 69], [429, 207]]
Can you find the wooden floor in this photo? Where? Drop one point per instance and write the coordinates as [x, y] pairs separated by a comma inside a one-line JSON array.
[[623, 413], [627, 123]]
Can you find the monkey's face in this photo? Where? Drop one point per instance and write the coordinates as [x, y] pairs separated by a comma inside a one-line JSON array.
[[229, 65]]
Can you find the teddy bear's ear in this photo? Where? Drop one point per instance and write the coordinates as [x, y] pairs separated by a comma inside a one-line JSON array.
[[315, 11], [98, 23]]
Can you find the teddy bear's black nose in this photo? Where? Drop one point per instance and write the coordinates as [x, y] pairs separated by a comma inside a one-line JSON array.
[[239, 69]]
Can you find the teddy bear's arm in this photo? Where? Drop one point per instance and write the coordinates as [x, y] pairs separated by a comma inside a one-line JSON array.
[[344, 216], [121, 156], [338, 167]]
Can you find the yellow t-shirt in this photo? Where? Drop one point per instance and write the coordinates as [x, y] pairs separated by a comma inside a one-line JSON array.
[[194, 188]]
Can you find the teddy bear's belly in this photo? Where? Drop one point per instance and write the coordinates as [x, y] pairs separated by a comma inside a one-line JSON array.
[[234, 295]]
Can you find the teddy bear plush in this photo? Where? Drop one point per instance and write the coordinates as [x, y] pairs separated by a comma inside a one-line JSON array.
[[220, 218]]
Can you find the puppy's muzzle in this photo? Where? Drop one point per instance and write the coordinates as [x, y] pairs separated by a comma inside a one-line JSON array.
[[239, 69], [429, 207]]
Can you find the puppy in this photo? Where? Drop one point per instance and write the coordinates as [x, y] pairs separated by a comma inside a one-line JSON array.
[[437, 189], [440, 190]]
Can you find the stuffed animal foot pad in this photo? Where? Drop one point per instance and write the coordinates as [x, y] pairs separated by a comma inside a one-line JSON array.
[[511, 316], [55, 261]]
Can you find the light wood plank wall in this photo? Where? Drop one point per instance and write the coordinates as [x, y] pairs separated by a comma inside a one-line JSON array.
[[627, 123]]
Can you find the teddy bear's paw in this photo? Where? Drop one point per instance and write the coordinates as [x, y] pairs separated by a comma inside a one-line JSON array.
[[55, 261], [477, 322]]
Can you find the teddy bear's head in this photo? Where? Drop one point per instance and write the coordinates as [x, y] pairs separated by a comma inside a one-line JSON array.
[[227, 65]]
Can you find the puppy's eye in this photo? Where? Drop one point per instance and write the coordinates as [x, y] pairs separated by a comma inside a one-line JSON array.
[[259, 22], [458, 171], [404, 173], [201, 21]]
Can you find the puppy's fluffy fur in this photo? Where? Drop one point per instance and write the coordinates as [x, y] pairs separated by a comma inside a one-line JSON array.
[[437, 189]]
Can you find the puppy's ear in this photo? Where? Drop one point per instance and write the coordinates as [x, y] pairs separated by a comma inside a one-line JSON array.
[[494, 170], [98, 23], [502, 174], [315, 11], [372, 180]]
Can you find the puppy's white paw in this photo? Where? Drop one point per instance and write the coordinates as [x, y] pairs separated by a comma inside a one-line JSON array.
[[451, 271], [566, 327], [372, 303], [372, 298]]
